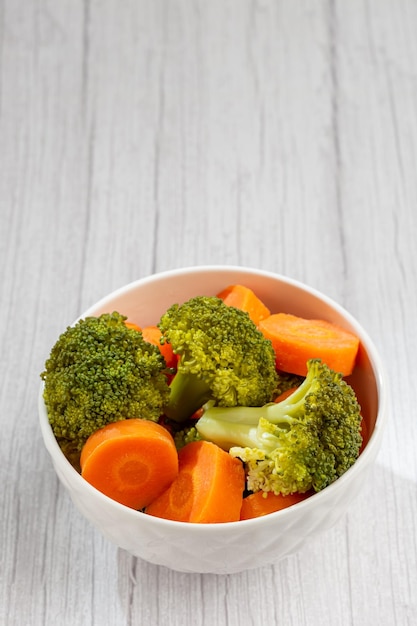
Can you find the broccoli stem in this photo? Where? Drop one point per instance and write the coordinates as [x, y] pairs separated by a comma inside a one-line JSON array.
[[226, 433], [188, 393], [251, 427]]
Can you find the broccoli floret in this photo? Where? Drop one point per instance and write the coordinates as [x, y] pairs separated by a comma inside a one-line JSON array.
[[304, 442], [99, 371], [223, 357], [186, 435]]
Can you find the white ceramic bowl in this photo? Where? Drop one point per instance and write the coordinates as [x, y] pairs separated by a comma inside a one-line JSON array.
[[231, 547]]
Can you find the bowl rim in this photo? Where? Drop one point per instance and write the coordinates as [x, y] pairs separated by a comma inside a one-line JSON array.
[[366, 456]]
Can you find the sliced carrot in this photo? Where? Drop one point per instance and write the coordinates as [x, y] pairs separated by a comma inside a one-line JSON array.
[[262, 503], [152, 334], [243, 298], [296, 340], [132, 325], [208, 489], [132, 461]]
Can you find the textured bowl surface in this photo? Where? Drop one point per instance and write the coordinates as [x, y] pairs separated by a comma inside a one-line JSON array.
[[237, 546]]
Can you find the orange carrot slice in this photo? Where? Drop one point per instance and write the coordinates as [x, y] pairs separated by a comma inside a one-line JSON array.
[[152, 334], [296, 340], [132, 461], [208, 489], [243, 298], [132, 325], [262, 503]]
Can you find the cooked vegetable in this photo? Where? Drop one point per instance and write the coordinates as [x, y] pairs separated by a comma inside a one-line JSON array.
[[132, 325], [222, 357], [208, 488], [131, 461], [186, 435], [304, 442], [153, 335], [297, 340], [99, 371], [245, 299], [262, 503]]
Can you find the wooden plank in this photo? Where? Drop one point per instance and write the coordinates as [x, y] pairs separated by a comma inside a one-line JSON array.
[[141, 136]]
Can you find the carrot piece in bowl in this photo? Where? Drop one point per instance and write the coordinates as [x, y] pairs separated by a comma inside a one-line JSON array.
[[153, 335], [243, 298], [208, 489], [296, 340], [132, 461], [132, 326], [262, 503]]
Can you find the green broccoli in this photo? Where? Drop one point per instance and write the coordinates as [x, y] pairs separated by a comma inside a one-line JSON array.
[[186, 435], [304, 442], [99, 371], [223, 357]]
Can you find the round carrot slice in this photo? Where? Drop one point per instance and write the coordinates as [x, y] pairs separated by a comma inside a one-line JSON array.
[[296, 340], [132, 461]]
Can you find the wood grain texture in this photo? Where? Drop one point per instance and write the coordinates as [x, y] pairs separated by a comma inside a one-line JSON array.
[[144, 135]]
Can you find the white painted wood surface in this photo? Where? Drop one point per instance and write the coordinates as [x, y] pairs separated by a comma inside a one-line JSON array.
[[143, 135]]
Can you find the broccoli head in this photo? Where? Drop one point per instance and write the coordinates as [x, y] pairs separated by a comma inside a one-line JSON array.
[[304, 442], [222, 357], [99, 371]]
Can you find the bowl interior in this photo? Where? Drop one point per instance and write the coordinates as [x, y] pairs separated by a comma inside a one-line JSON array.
[[146, 300]]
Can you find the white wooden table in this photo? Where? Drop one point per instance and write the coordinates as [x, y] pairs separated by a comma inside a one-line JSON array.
[[143, 135]]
